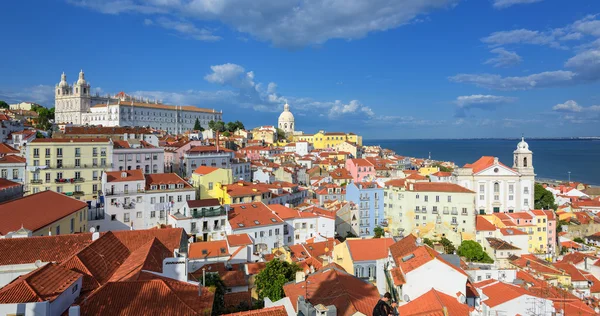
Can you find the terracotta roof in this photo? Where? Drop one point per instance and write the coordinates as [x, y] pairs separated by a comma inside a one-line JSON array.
[[500, 244], [434, 303], [417, 177], [440, 187], [46, 249], [369, 249], [160, 296], [442, 174], [360, 162], [7, 149], [202, 170], [484, 225], [255, 267], [397, 276], [209, 249], [56, 207], [247, 215], [403, 247], [333, 286], [236, 299], [242, 188], [97, 130], [203, 203], [165, 178], [232, 277], [204, 149], [483, 163], [235, 240], [149, 257], [396, 183], [172, 238], [43, 284], [512, 232], [500, 293], [6, 184], [267, 311], [571, 270], [125, 175], [70, 140], [127, 104], [12, 159], [577, 257]]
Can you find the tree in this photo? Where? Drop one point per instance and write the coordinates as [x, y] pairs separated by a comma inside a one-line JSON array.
[[428, 242], [239, 125], [280, 134], [349, 234], [578, 240], [448, 246], [544, 200], [38, 134], [197, 125], [378, 232], [226, 133], [473, 252], [269, 282], [443, 168], [4, 105], [216, 285], [45, 115]]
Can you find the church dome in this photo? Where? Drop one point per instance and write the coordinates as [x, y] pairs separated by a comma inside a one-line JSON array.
[[63, 81], [81, 80], [286, 115], [522, 146]]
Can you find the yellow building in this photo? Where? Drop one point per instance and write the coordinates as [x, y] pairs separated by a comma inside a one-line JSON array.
[[266, 135], [205, 178], [533, 223], [241, 192], [426, 171], [539, 242], [323, 140], [42, 214], [70, 166]]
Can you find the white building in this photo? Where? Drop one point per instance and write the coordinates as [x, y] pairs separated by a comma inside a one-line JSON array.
[[206, 219], [304, 224], [498, 187], [286, 120], [26, 106], [513, 300], [12, 167], [75, 104], [134, 154], [260, 223], [133, 200]]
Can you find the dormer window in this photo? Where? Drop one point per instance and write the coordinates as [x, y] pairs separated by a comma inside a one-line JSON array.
[[180, 185], [153, 187], [162, 186]]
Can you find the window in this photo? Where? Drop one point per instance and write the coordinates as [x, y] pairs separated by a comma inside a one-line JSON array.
[[526, 201], [4, 173], [152, 214], [526, 190], [94, 188], [449, 198], [188, 197], [153, 200], [47, 152], [58, 230], [77, 152], [15, 174], [426, 198], [36, 152], [179, 198], [437, 198], [138, 215], [481, 188], [496, 187], [126, 217], [72, 225], [58, 152], [511, 188]]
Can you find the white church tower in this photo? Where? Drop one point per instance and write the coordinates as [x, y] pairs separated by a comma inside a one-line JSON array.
[[523, 159], [72, 101], [286, 120]]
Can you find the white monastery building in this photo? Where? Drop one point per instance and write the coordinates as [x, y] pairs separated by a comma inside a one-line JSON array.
[[75, 104]]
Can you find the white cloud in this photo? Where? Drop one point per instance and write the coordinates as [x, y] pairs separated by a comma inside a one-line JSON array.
[[504, 58], [479, 101], [185, 28], [353, 107], [539, 80], [569, 106], [40, 94], [501, 4], [586, 64], [588, 25], [286, 23], [521, 36]]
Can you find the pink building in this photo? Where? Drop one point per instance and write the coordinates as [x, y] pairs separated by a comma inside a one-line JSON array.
[[360, 169], [174, 153]]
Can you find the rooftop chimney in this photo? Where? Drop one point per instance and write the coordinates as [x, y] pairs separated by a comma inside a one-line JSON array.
[[74, 310], [300, 276]]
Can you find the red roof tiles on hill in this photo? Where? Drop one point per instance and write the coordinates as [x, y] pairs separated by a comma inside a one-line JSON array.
[[43, 284], [71, 140], [209, 249], [440, 187], [483, 163], [268, 311], [7, 149], [434, 303], [32, 215], [483, 224], [369, 249], [236, 240], [125, 175], [7, 184], [45, 249], [202, 170], [243, 216], [12, 159], [165, 178]]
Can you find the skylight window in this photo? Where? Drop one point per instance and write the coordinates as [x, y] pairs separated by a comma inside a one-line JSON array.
[[257, 222], [273, 220], [406, 258], [204, 251], [254, 205], [240, 224], [243, 207], [222, 250]]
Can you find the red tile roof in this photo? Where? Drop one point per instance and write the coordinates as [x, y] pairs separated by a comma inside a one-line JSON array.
[[70, 140], [500, 293], [205, 149], [484, 225], [43, 284], [440, 187], [7, 149], [236, 299], [442, 174], [511, 232], [255, 268], [56, 207], [172, 238], [45, 249], [332, 286], [202, 170], [434, 303], [149, 257], [403, 247], [360, 162], [236, 240], [12, 159], [165, 178], [232, 276], [209, 249], [247, 215], [267, 311], [160, 296], [369, 249], [6, 184], [125, 175], [203, 203]]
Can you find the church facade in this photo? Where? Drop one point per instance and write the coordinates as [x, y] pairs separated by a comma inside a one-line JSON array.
[[286, 121], [499, 188], [75, 104]]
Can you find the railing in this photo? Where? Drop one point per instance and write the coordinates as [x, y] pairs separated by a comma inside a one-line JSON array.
[[205, 229], [109, 193], [36, 181], [209, 213], [454, 212], [446, 212], [78, 193], [454, 223], [434, 212], [69, 180], [129, 206], [194, 230]]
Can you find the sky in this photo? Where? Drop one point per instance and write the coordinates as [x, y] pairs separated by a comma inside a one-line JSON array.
[[384, 69]]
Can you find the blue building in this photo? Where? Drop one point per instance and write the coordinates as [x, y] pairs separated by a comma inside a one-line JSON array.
[[368, 196]]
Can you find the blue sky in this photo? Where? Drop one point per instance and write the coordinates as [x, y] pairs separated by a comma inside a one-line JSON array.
[[381, 68]]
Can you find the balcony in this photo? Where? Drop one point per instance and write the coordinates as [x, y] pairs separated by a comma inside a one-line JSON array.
[[219, 211], [454, 223], [434, 212], [364, 198], [194, 230], [129, 206], [124, 192], [205, 229], [454, 212], [78, 193]]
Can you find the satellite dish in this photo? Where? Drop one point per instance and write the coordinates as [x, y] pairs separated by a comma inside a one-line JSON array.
[[92, 230], [406, 298], [38, 263]]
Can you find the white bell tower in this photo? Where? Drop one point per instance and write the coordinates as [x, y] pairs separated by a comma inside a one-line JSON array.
[[523, 158]]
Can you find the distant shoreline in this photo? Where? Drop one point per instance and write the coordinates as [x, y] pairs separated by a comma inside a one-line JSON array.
[[588, 138]]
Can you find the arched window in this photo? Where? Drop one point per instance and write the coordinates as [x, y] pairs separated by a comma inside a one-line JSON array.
[[496, 187], [371, 271], [525, 162]]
